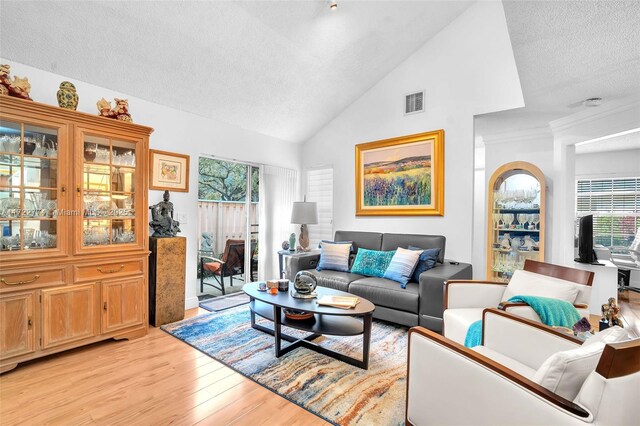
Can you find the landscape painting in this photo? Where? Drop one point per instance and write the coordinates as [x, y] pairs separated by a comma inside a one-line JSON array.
[[401, 176]]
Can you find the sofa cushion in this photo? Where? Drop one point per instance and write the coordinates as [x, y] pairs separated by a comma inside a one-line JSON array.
[[564, 372], [383, 292], [372, 263], [392, 241], [334, 256], [428, 260], [457, 322], [367, 240], [525, 283], [510, 363], [402, 265], [334, 279]]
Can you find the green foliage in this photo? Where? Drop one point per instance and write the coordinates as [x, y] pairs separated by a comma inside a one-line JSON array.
[[225, 181]]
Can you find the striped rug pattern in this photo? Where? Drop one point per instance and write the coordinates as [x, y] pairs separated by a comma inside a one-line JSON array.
[[338, 392]]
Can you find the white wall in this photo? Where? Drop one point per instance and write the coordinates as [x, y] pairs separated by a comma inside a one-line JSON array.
[[175, 131], [467, 69], [608, 164]]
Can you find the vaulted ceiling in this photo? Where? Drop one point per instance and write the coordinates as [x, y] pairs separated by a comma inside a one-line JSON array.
[[281, 68]]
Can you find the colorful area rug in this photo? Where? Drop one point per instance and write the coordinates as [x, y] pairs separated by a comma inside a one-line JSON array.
[[221, 303], [338, 392]]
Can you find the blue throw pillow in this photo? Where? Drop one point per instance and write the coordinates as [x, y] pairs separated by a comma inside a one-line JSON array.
[[334, 256], [402, 265], [428, 260], [372, 263]]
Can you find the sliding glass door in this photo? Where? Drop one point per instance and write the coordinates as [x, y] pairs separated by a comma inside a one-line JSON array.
[[228, 215]]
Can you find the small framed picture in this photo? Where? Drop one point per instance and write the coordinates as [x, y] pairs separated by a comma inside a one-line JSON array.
[[168, 171]]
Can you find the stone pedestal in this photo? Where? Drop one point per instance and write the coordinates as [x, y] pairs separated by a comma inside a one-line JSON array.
[[167, 269]]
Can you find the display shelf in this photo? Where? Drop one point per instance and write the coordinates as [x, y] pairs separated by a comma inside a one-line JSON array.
[[524, 183]]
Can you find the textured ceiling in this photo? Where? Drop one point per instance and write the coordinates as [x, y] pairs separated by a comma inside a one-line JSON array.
[[568, 51], [279, 68], [616, 143]]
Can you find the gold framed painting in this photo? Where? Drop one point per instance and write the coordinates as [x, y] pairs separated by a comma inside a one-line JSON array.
[[402, 176], [168, 171]]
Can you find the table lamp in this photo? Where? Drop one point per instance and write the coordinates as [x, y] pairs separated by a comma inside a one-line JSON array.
[[304, 213]]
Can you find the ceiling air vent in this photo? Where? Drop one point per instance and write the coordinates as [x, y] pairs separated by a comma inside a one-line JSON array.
[[414, 102]]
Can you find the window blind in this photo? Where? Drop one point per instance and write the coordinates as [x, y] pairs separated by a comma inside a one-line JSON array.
[[320, 190], [615, 206]]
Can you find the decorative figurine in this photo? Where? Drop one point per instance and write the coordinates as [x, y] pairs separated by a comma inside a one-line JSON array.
[[18, 88], [285, 245], [292, 242], [67, 96], [610, 315], [119, 112], [4, 80], [162, 218], [104, 107], [206, 244], [304, 285]]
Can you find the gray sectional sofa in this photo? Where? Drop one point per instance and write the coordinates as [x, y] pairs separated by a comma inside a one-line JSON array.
[[418, 304]]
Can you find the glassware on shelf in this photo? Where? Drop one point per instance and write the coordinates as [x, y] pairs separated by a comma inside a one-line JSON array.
[[522, 219], [10, 144], [496, 220], [536, 220]]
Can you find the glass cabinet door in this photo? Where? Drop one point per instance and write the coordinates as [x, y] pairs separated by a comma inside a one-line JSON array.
[[109, 191], [29, 180], [515, 219]]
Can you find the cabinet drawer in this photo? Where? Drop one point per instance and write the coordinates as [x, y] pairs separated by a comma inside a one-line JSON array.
[[22, 279], [108, 269]]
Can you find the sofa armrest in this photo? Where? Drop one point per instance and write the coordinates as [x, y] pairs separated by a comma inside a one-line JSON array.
[[432, 290], [299, 262], [461, 294], [442, 373], [526, 341]]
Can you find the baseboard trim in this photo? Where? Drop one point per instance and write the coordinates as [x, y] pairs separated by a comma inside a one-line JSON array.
[[191, 303]]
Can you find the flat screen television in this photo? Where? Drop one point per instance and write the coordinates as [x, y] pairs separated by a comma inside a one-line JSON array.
[[585, 241]]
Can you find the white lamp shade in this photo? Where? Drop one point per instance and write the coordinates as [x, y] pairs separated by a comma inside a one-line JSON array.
[[304, 213]]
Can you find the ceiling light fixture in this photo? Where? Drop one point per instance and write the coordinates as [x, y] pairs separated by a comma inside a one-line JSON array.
[[333, 5], [592, 102]]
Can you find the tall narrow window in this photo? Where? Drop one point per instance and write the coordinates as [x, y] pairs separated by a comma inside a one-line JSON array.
[[615, 205], [320, 190]]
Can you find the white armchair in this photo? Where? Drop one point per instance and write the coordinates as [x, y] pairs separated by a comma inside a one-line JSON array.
[[510, 378], [464, 300]]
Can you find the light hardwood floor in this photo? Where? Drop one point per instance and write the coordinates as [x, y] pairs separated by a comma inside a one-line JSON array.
[[155, 380]]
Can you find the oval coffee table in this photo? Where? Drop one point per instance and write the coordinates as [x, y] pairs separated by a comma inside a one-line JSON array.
[[326, 321]]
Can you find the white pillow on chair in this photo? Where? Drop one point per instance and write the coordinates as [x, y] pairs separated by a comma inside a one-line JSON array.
[[525, 283], [564, 372]]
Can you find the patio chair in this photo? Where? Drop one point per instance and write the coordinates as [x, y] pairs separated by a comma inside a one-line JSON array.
[[231, 263]]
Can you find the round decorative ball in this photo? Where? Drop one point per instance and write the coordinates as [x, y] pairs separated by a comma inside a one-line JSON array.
[[285, 245], [67, 96], [305, 282]]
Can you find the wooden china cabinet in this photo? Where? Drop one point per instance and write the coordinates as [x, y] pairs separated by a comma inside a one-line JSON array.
[[73, 230]]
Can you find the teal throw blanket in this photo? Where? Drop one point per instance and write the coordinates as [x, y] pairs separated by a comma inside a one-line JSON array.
[[552, 312]]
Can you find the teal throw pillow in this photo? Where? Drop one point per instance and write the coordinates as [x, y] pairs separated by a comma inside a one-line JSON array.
[[428, 260], [334, 256], [402, 265], [372, 263]]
